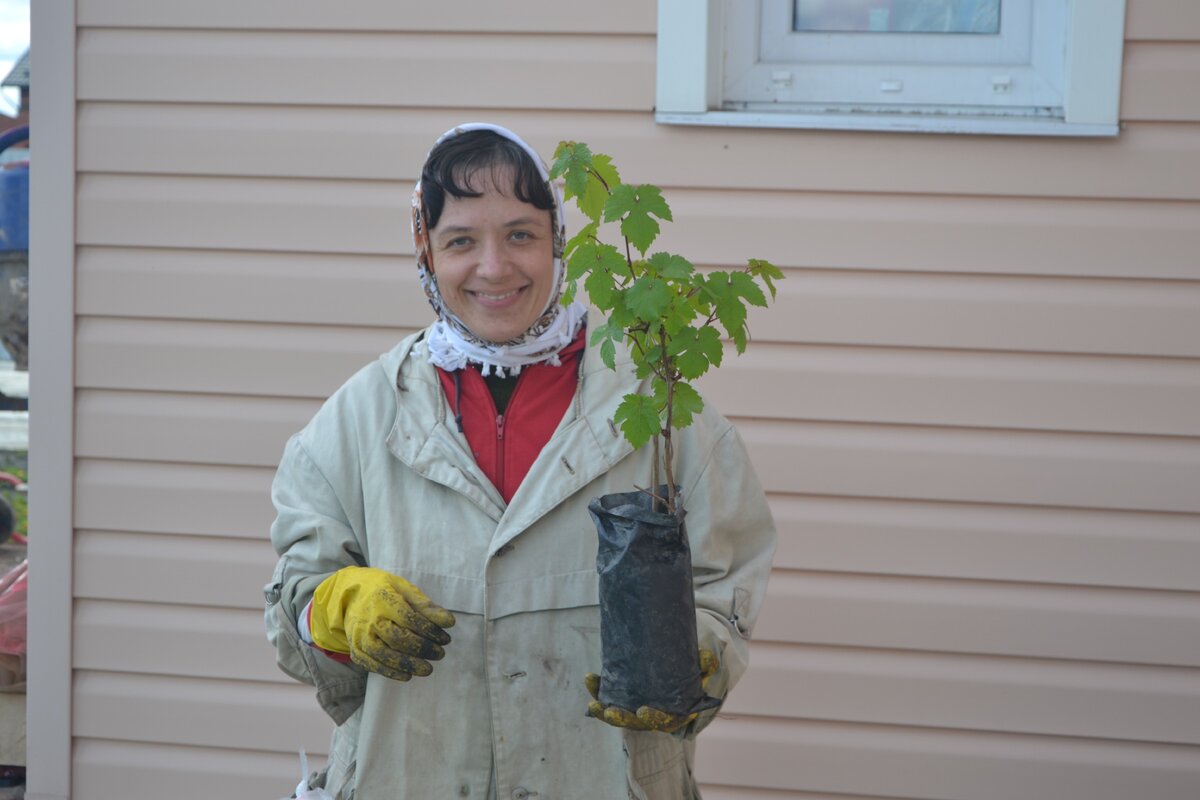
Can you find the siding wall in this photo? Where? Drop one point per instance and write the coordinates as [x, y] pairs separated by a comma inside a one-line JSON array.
[[976, 407]]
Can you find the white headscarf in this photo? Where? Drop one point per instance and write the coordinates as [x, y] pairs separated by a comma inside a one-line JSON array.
[[452, 345]]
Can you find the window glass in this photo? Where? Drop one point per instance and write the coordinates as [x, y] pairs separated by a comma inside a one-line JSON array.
[[897, 16]]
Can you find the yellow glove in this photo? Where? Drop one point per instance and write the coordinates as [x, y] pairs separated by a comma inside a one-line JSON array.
[[382, 621], [647, 718]]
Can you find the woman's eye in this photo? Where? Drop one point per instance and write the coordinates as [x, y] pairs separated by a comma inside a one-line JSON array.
[[461, 241], [522, 235]]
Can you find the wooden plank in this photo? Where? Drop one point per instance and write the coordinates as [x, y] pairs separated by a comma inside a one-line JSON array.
[[1148, 161], [1002, 619], [939, 765], [1160, 82], [1004, 236], [905, 309], [292, 360], [1034, 696], [368, 68], [966, 465], [169, 638], [475, 16], [104, 769], [176, 569], [172, 498], [988, 542]]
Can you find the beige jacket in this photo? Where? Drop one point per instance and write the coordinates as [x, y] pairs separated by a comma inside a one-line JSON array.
[[378, 478]]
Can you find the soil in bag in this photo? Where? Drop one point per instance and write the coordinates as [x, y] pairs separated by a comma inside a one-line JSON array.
[[647, 608]]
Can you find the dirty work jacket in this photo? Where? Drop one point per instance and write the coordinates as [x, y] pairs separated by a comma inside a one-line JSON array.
[[380, 477]]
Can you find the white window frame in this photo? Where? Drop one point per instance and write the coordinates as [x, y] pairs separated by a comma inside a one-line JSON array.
[[693, 62]]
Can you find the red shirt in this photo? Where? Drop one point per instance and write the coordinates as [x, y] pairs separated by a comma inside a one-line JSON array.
[[506, 445]]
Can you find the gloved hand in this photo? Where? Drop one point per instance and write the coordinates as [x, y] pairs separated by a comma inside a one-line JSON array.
[[382, 621], [647, 718]]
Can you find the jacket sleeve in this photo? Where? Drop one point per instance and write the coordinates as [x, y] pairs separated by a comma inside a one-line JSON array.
[[314, 539], [732, 538]]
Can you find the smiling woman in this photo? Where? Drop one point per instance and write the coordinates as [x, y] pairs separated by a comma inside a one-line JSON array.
[[437, 577]]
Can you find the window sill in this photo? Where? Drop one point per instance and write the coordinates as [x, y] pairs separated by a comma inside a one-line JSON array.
[[894, 123]]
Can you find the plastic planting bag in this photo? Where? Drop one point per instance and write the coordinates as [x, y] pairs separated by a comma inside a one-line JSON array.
[[303, 789], [648, 643]]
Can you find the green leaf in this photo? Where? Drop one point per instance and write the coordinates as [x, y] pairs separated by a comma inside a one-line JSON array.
[[592, 201], [671, 267], [744, 286], [688, 403], [648, 298], [637, 418], [585, 234], [601, 289], [766, 272], [694, 350], [608, 353], [571, 162], [636, 207]]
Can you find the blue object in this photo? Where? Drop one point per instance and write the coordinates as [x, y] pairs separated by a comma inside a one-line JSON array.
[[14, 196]]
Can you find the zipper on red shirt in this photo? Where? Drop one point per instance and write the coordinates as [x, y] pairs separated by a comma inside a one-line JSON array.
[[500, 453]]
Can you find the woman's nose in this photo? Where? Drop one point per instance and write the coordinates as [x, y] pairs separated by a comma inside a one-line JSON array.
[[493, 263]]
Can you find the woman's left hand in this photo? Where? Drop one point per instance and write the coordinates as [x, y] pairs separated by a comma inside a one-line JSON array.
[[646, 718]]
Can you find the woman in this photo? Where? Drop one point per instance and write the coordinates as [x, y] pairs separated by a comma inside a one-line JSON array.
[[441, 494]]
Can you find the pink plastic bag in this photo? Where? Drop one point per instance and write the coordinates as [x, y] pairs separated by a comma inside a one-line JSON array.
[[13, 606]]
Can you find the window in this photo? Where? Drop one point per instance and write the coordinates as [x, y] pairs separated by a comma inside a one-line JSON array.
[[972, 66]]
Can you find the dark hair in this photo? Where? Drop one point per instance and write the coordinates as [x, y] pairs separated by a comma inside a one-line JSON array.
[[453, 165]]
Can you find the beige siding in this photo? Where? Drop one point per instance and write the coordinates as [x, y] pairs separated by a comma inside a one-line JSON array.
[[976, 408]]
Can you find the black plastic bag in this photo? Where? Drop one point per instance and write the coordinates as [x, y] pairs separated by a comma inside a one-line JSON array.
[[647, 609]]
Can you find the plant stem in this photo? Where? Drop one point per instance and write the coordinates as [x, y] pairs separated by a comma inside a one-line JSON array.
[[670, 377]]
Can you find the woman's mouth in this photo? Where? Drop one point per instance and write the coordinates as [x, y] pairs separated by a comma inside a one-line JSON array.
[[489, 297]]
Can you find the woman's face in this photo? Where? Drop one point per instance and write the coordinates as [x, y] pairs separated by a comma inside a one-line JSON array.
[[493, 257]]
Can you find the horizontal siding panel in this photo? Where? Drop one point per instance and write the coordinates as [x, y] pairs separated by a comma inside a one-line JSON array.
[[192, 711], [161, 568], [988, 542], [1036, 696], [968, 388], [896, 309], [1148, 161], [984, 312], [939, 765], [102, 770], [885, 462], [234, 358], [767, 382], [1161, 81], [216, 429], [173, 498], [368, 68], [907, 233], [618, 16], [301, 288], [964, 465], [1162, 19], [176, 640], [1004, 619], [305, 216]]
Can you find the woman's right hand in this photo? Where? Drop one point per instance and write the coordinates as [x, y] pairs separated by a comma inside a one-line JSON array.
[[384, 623]]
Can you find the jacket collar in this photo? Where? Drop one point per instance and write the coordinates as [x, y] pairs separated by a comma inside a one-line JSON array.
[[586, 445]]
